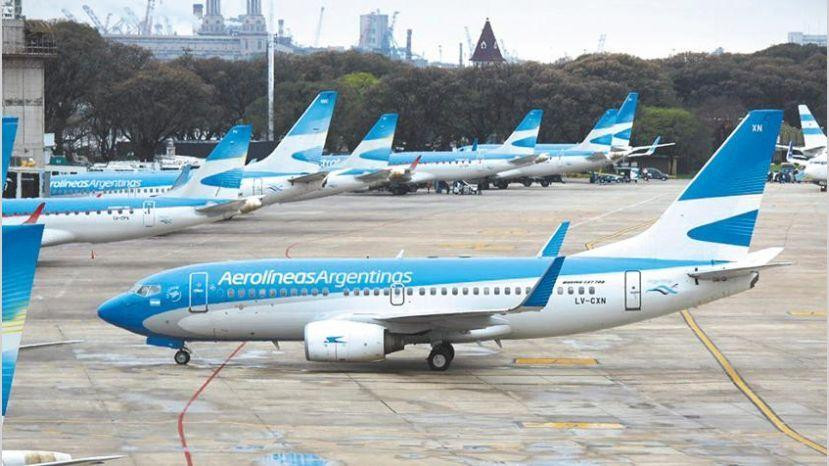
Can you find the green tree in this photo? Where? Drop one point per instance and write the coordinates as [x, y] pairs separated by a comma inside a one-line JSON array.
[[693, 140]]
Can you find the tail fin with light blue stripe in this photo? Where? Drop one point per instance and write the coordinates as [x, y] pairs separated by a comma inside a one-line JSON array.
[[813, 136], [9, 132], [220, 175], [624, 121], [21, 246], [300, 151], [374, 150], [522, 140], [600, 137], [714, 218]]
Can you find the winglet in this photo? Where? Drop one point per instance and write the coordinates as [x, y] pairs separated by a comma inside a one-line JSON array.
[[789, 157], [414, 163], [556, 240], [543, 289], [475, 145], [35, 215], [654, 146]]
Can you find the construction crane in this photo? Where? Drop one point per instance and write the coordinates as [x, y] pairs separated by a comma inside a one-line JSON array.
[[118, 27], [390, 33], [68, 14], [469, 41], [600, 48], [95, 21], [319, 28], [147, 24], [132, 20]]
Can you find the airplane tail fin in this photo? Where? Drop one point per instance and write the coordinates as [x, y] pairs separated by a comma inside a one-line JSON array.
[[624, 121], [21, 246], [9, 132], [522, 140], [813, 136], [374, 150], [220, 175], [300, 150], [714, 218], [600, 138]]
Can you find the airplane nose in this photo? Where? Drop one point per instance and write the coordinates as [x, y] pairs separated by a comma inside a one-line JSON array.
[[114, 311]]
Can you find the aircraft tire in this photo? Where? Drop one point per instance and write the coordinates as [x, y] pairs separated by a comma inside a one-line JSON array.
[[441, 357], [182, 357]]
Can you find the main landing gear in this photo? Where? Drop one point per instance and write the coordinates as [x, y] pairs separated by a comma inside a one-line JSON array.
[[182, 356], [441, 356]]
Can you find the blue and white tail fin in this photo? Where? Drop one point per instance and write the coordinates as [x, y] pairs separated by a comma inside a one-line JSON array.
[[21, 246], [714, 218], [9, 132], [624, 122], [522, 140], [813, 136], [220, 175], [600, 137], [374, 150], [300, 151]]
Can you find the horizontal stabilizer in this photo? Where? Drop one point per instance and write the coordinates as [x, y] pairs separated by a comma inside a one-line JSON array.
[[553, 245], [753, 262], [222, 208], [310, 178]]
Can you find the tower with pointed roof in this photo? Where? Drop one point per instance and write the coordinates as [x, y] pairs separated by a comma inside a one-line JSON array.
[[487, 50]]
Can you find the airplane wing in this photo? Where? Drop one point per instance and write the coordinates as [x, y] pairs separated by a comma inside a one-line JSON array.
[[222, 208], [310, 178], [82, 461], [754, 262], [375, 176], [46, 344], [535, 301], [524, 160]]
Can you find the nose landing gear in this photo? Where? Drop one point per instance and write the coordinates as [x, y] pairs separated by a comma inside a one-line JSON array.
[[441, 356], [182, 356]]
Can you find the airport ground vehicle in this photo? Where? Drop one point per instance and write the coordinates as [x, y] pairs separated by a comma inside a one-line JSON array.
[[653, 174], [462, 187]]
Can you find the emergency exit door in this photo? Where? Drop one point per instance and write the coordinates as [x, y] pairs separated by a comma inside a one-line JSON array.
[[633, 290], [149, 213]]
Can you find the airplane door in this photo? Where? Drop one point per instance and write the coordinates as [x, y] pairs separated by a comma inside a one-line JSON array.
[[198, 292], [258, 188], [397, 296], [633, 290], [149, 213]]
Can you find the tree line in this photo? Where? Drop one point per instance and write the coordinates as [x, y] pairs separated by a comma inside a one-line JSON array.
[[100, 92]]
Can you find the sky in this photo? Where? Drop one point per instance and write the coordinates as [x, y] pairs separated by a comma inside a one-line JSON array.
[[541, 30]]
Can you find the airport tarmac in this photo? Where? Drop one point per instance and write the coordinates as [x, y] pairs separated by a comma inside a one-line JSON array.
[[645, 393]]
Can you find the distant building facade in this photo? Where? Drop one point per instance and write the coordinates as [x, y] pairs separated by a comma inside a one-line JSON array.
[[240, 38], [374, 33], [803, 39]]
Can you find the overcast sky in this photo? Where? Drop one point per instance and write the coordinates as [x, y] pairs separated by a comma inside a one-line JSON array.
[[542, 30]]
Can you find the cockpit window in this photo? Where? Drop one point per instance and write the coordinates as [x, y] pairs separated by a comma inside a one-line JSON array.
[[148, 290]]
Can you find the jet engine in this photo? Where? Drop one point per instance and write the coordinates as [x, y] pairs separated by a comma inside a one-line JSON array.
[[347, 341]]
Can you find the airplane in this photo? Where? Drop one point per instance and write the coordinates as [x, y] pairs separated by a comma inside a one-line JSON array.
[[21, 247], [814, 169], [367, 166], [608, 142], [290, 170], [211, 194], [360, 310], [814, 141], [518, 150]]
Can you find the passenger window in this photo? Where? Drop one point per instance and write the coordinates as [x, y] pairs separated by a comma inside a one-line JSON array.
[[486, 291], [591, 290], [444, 291], [366, 292], [465, 291], [345, 292], [560, 290], [517, 290], [421, 291], [454, 291], [475, 291], [409, 291], [262, 293], [109, 211], [496, 290], [385, 291], [569, 290], [88, 212], [293, 292], [251, 293], [433, 291], [231, 293], [241, 292], [272, 293], [283, 292], [506, 290], [303, 292], [314, 292], [120, 211], [377, 292], [581, 290], [325, 291]]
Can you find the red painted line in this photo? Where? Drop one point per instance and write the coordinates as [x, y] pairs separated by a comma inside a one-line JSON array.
[[193, 398], [288, 250]]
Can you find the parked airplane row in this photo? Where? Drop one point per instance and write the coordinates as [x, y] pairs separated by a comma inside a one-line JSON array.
[[106, 207], [811, 156]]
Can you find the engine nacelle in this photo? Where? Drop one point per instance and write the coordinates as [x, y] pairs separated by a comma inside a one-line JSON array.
[[347, 341]]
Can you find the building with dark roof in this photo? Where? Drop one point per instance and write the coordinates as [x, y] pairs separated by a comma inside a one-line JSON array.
[[487, 50]]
